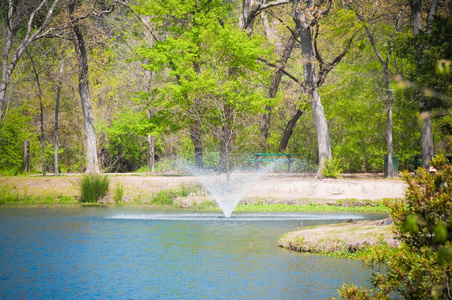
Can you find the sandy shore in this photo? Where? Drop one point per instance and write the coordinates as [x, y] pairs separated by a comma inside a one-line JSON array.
[[276, 186]]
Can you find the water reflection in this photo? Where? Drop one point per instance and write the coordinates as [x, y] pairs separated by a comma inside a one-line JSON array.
[[132, 252]]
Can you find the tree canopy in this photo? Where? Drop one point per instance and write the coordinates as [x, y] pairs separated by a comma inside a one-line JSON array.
[[210, 79]]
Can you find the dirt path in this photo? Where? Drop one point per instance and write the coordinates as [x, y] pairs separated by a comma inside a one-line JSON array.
[[272, 186]]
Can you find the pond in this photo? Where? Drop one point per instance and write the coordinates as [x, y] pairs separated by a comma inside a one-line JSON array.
[[111, 252]]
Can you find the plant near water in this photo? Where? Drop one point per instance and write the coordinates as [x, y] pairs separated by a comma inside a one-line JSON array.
[[119, 193], [332, 168], [422, 267], [93, 187]]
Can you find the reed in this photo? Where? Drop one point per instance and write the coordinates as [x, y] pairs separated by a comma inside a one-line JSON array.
[[93, 187]]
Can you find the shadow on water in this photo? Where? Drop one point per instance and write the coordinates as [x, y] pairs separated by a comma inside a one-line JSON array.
[[133, 252]]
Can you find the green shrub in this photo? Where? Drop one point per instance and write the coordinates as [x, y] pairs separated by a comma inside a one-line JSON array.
[[119, 193], [422, 267], [67, 199], [332, 168], [93, 187], [165, 197]]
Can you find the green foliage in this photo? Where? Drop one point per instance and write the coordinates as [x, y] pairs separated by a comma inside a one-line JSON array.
[[14, 130], [421, 268], [332, 168], [430, 54], [167, 197], [93, 187], [311, 207], [119, 193]]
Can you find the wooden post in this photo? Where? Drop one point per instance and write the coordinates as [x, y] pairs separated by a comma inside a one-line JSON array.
[[27, 156]]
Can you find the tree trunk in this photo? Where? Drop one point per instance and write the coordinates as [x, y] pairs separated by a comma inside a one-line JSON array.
[[151, 152], [426, 137], [92, 165], [196, 138], [390, 164], [57, 109], [426, 131], [195, 128], [226, 139], [266, 118], [416, 9], [27, 156], [289, 130], [304, 30], [43, 142]]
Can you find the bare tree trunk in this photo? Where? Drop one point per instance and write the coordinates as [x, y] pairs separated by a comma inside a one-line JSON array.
[[265, 123], [196, 138], [57, 109], [389, 167], [426, 131], [27, 156], [195, 128], [416, 9], [289, 130], [426, 137], [151, 148], [226, 139], [151, 152], [92, 165], [301, 16], [390, 164], [43, 142]]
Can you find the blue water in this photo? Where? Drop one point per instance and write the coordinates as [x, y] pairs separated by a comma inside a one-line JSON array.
[[75, 252]]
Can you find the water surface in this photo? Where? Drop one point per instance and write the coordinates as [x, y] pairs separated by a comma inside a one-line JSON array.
[[69, 252]]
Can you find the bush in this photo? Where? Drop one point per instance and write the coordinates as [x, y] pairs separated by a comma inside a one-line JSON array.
[[119, 193], [422, 267], [332, 168], [93, 187]]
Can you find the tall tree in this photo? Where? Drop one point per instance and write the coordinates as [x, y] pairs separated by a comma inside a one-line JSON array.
[[76, 15], [43, 142], [384, 60], [306, 15], [22, 14], [426, 130], [57, 108]]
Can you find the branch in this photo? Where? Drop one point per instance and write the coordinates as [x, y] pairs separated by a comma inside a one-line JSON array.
[[316, 50], [257, 10], [326, 68], [141, 19], [280, 69], [108, 11], [287, 26]]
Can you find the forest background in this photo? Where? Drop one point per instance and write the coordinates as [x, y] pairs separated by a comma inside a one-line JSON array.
[[125, 86]]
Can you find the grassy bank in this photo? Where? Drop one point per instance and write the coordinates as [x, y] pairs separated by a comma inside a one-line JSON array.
[[347, 240], [148, 190]]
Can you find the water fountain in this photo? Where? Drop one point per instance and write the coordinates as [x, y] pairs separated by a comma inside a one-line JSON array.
[[229, 188]]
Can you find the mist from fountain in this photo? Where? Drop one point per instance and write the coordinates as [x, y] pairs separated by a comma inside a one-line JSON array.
[[228, 189]]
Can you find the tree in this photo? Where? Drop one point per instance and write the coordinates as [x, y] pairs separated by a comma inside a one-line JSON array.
[[306, 16], [76, 16], [57, 109], [214, 65], [18, 14], [426, 130], [384, 61]]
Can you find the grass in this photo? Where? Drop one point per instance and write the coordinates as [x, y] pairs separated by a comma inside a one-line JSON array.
[[345, 240], [93, 187], [10, 196], [310, 207]]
